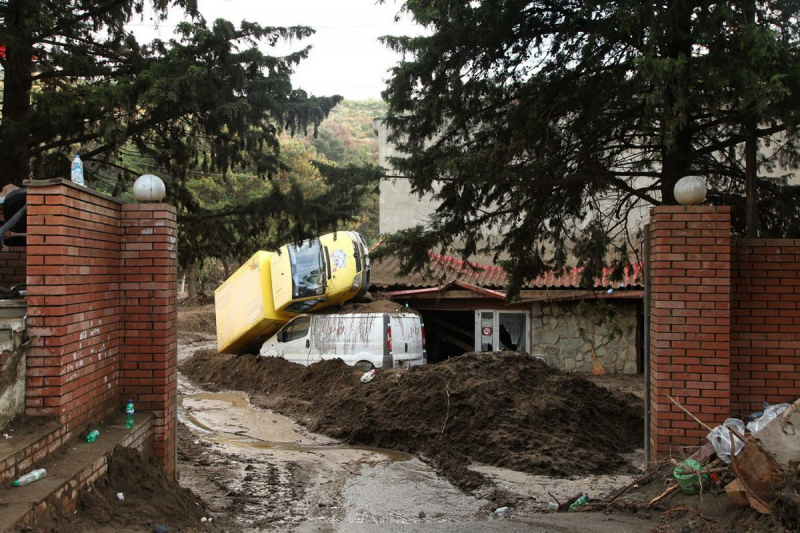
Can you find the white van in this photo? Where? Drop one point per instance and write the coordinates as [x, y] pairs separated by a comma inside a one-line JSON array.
[[363, 340]]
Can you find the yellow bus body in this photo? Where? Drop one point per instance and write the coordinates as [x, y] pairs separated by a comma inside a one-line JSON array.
[[244, 307]]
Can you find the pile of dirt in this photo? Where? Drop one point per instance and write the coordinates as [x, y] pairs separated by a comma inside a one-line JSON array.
[[150, 498], [505, 409], [197, 320], [375, 306]]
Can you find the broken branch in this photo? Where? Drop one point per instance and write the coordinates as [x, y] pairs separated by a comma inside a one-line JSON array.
[[630, 486], [663, 495], [447, 390], [682, 408]]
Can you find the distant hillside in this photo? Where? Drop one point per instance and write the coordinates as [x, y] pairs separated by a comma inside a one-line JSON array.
[[346, 136]]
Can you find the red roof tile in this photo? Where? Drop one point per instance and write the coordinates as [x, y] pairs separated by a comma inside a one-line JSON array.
[[444, 268]]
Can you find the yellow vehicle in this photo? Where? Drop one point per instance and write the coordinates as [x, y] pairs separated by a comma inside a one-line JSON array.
[[271, 288], [244, 310], [318, 273]]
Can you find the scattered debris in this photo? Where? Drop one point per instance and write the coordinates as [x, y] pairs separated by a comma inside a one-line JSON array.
[[580, 502], [769, 414], [724, 446], [686, 474], [30, 477], [500, 511], [761, 481], [150, 497], [121, 496]]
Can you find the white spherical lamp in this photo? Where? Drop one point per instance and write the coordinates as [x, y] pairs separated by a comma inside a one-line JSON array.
[[690, 190], [149, 188]]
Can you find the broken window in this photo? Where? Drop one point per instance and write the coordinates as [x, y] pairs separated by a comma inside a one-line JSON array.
[[497, 331]]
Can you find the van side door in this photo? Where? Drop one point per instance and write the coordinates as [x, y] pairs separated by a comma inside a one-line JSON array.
[[295, 342]]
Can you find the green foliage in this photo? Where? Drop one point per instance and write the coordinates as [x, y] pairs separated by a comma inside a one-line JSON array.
[[550, 123], [346, 136]]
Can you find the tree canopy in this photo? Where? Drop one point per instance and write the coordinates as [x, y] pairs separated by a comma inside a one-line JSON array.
[[207, 102], [548, 123]]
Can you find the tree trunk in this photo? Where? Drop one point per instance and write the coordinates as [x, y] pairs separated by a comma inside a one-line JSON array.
[[14, 136], [676, 141], [191, 273], [751, 194], [677, 164], [751, 151], [226, 265]]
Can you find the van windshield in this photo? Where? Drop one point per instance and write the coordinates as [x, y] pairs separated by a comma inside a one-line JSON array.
[[308, 269]]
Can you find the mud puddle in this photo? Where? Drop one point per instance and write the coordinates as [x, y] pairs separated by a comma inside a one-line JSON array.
[[228, 418], [266, 472]]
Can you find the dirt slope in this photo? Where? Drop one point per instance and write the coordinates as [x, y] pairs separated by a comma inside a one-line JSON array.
[[197, 320], [504, 409]]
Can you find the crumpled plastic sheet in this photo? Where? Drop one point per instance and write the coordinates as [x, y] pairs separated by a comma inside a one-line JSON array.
[[770, 413], [720, 439]]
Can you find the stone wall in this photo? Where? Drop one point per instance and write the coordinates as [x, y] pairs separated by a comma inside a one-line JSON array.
[[12, 359], [564, 333]]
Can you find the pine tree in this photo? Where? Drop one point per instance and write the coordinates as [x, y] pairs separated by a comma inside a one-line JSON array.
[[553, 121]]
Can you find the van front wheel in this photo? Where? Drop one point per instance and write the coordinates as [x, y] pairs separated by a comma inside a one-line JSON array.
[[364, 366]]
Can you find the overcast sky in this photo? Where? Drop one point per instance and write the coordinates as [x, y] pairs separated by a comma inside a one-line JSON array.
[[346, 57]]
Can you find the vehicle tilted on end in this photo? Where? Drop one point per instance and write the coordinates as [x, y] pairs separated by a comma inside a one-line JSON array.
[[272, 287]]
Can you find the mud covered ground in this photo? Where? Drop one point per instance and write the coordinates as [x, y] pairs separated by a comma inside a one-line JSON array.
[[501, 409]]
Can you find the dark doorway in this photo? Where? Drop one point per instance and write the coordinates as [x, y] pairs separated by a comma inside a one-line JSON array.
[[448, 333]]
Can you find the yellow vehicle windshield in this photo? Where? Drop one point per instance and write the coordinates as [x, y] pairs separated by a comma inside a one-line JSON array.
[[307, 265], [320, 272]]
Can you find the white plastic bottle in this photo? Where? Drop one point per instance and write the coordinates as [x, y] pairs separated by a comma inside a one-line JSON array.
[[30, 477], [76, 170]]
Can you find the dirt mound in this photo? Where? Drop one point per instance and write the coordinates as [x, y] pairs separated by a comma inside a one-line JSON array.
[[150, 498], [504, 409], [197, 320], [375, 306]]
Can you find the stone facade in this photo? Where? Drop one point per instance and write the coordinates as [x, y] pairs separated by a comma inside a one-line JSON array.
[[563, 333], [12, 359]]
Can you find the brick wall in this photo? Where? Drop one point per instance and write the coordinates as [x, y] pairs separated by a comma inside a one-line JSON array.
[[101, 308], [74, 316], [690, 284], [765, 329], [12, 264]]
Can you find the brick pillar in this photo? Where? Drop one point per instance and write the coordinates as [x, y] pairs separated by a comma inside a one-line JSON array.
[[690, 283], [149, 299]]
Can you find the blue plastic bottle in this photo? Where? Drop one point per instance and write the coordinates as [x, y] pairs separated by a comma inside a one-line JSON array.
[[76, 170]]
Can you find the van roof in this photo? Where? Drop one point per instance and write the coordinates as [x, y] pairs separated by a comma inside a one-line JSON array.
[[362, 315]]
